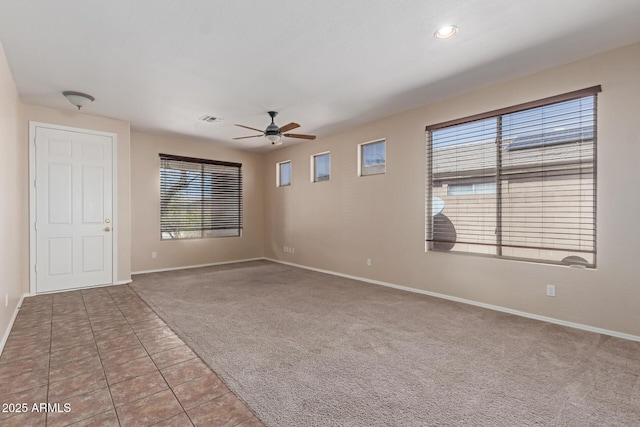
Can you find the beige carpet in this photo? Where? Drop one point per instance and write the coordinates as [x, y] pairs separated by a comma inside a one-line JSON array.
[[309, 349]]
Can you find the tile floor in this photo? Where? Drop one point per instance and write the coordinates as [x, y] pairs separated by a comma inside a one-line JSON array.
[[106, 355]]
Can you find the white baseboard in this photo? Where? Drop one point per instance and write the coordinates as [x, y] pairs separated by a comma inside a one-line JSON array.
[[186, 267], [471, 302], [123, 282], [5, 337]]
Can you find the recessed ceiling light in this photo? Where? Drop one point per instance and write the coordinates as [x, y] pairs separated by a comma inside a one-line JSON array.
[[446, 31]]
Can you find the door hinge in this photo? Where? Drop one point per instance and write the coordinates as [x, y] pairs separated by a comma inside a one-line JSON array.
[[35, 268]]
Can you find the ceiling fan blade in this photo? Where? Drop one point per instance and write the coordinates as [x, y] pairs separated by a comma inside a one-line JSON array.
[[290, 126], [245, 137], [297, 135], [247, 127]]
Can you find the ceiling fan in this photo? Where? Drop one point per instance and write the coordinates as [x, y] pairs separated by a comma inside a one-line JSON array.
[[274, 134]]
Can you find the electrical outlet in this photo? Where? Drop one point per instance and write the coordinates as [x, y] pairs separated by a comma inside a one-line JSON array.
[[551, 290], [369, 262], [154, 255]]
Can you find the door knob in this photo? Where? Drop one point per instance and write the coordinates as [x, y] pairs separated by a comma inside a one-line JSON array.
[[107, 229], [107, 220]]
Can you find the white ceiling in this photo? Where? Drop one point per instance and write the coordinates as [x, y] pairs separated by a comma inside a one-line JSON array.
[[328, 65]]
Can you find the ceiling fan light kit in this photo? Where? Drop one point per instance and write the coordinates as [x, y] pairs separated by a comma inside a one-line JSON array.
[[274, 134]]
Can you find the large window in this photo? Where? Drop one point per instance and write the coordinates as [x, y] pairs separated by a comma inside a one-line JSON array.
[[199, 198], [321, 167], [517, 183]]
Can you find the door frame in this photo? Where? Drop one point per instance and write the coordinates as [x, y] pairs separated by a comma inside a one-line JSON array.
[[32, 198]]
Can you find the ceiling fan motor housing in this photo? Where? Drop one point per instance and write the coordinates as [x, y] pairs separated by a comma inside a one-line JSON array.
[[273, 130]]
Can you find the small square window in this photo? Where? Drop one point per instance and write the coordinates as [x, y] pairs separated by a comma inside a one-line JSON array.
[[283, 174], [372, 158], [321, 166]]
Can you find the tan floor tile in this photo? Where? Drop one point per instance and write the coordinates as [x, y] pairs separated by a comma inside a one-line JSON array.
[[16, 341], [118, 357], [185, 371], [150, 410], [41, 333], [226, 410], [25, 381], [155, 334], [13, 367], [77, 367], [68, 330], [82, 407], [196, 392], [106, 334], [108, 345], [109, 316], [72, 354], [28, 307], [70, 315], [70, 341], [137, 311], [138, 315], [62, 323], [31, 323], [171, 357], [104, 312], [106, 419], [79, 384], [28, 419], [75, 312], [29, 397], [162, 344], [131, 369], [251, 422], [147, 324], [19, 352], [108, 324], [93, 336], [137, 388], [181, 420]]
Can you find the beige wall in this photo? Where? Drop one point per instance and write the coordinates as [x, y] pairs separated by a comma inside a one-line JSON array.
[[12, 211], [145, 206], [337, 225], [78, 119]]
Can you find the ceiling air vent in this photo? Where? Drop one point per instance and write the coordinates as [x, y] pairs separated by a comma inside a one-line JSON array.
[[211, 119]]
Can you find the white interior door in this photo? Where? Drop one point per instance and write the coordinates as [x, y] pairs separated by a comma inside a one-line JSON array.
[[74, 207]]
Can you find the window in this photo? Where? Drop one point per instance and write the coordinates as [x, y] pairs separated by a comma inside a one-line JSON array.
[[321, 167], [199, 198], [517, 183], [283, 174], [372, 158], [471, 189]]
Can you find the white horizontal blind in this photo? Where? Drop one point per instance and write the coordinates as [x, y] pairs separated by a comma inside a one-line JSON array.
[[199, 198], [518, 184]]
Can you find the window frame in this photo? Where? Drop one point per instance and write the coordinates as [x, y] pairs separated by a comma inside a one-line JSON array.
[[361, 165], [279, 173], [231, 187], [314, 166], [498, 115]]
